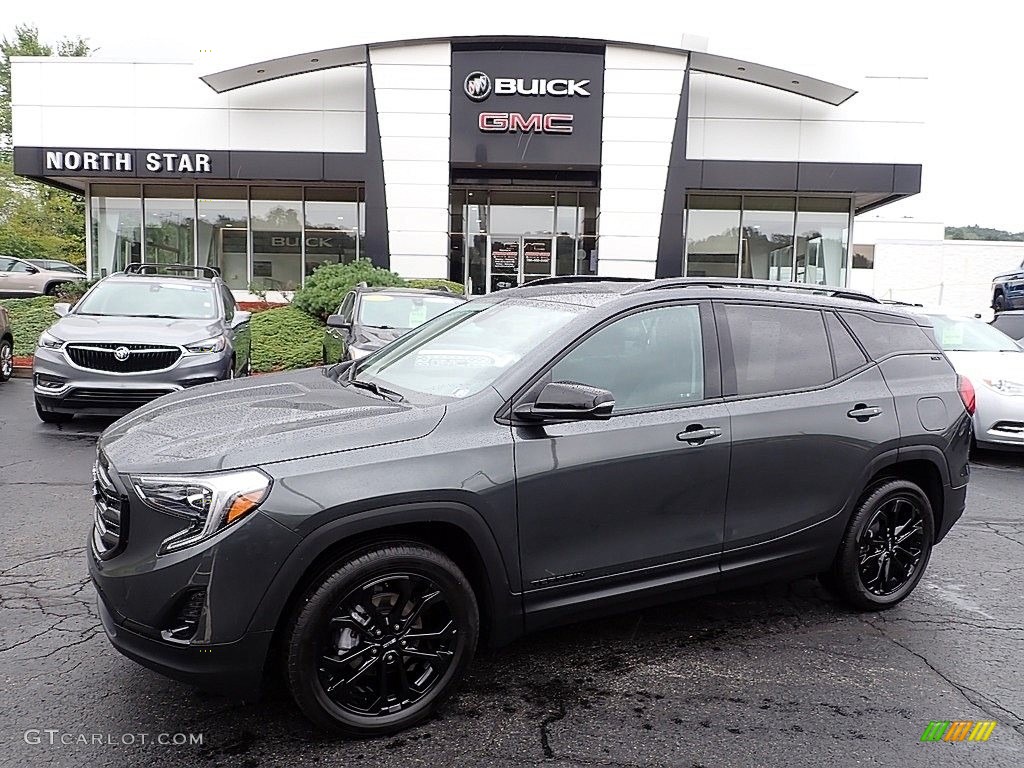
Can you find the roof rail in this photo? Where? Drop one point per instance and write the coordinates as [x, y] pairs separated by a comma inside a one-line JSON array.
[[566, 279], [137, 268], [768, 285]]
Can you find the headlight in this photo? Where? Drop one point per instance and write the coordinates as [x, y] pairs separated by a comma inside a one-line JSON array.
[[357, 353], [49, 341], [1004, 386], [209, 503], [216, 344]]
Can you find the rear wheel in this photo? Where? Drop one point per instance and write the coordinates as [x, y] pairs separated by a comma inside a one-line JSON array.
[[382, 641], [886, 547], [6, 359], [51, 417]]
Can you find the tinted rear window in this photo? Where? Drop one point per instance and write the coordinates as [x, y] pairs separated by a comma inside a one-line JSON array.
[[881, 337], [776, 349]]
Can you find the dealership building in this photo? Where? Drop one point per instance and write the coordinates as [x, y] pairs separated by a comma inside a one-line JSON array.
[[488, 160]]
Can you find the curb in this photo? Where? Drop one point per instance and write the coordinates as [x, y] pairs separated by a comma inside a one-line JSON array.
[[22, 372]]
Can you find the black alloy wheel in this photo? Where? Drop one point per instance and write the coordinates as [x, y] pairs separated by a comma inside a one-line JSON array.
[[6, 360], [886, 547], [383, 640]]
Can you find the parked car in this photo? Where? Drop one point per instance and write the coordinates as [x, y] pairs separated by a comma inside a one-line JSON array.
[[369, 318], [994, 363], [19, 278], [1008, 290], [55, 265], [531, 457], [135, 336], [1011, 322], [6, 346]]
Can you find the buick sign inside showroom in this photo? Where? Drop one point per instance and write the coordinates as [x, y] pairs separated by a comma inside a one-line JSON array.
[[529, 110]]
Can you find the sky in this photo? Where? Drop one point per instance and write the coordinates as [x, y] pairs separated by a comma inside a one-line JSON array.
[[969, 52]]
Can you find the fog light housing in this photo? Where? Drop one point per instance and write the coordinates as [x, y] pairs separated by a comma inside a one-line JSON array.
[[185, 620], [45, 381]]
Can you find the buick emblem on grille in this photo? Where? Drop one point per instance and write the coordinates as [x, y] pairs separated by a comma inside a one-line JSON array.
[[121, 353]]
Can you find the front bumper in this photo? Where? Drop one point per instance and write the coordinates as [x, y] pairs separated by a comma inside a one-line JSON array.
[[63, 387], [999, 419]]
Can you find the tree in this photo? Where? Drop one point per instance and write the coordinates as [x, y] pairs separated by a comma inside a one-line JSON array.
[[36, 221], [974, 232]]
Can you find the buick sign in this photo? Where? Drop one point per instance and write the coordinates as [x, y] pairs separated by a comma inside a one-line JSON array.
[[477, 86]]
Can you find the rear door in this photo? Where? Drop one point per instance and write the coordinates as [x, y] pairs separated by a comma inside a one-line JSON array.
[[606, 507], [809, 412]]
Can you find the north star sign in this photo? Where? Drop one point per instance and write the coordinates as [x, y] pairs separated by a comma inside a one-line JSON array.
[[119, 160]]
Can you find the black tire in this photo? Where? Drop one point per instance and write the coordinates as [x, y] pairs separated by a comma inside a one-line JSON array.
[[51, 288], [999, 303], [6, 359], [344, 629], [893, 527], [51, 417]]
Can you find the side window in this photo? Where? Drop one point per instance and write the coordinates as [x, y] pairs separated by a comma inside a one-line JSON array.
[[5, 264], [881, 338], [346, 307], [647, 359], [847, 354], [229, 303], [776, 349], [17, 266]]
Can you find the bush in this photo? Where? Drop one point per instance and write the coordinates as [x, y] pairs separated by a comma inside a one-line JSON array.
[[73, 291], [327, 286], [29, 318], [285, 338], [436, 284]]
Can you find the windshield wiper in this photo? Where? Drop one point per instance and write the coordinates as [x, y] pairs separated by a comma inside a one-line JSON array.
[[377, 389]]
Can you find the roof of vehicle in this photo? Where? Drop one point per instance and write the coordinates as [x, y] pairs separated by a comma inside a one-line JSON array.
[[815, 295], [408, 291]]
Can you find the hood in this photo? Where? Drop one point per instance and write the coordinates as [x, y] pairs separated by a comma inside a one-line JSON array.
[[989, 365], [133, 330], [257, 421], [374, 338]]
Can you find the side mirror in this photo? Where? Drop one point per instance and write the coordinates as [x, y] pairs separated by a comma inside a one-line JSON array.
[[568, 401], [31, 270], [240, 318], [337, 321], [61, 308]]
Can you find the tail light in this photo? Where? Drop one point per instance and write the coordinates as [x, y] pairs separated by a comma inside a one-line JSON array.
[[967, 394]]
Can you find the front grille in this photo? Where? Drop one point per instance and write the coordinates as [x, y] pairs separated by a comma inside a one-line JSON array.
[[138, 358], [109, 516], [111, 398]]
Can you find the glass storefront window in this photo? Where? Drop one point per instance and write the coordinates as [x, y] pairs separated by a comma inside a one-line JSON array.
[[332, 226], [822, 229], [170, 216], [526, 213], [115, 212], [276, 237], [223, 232], [767, 242], [713, 236]]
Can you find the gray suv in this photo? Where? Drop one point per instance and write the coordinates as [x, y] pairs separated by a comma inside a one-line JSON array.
[[530, 457], [135, 336]]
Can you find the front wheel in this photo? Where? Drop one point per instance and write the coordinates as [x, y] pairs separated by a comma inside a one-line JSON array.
[[999, 303], [6, 360], [382, 641], [886, 547]]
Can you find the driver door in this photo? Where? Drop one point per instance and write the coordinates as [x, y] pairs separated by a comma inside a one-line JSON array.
[[610, 507]]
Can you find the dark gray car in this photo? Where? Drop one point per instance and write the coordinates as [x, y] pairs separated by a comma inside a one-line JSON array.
[[536, 456], [138, 335]]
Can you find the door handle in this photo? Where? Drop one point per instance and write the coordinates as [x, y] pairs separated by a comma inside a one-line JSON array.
[[862, 412], [697, 434]]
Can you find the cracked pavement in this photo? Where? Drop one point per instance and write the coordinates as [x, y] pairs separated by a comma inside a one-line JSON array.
[[762, 676]]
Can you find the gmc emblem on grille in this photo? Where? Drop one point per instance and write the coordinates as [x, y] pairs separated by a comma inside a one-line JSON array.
[[121, 353]]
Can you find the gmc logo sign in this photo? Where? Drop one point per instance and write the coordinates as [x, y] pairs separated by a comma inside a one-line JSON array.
[[514, 122]]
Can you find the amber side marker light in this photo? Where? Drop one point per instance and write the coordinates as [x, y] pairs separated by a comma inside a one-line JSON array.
[[243, 504]]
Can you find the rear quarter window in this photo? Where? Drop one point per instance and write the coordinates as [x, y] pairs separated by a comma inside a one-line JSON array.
[[883, 335]]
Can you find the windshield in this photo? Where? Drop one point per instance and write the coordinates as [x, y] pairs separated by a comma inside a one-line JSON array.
[[149, 298], [464, 350], [381, 310], [966, 335]]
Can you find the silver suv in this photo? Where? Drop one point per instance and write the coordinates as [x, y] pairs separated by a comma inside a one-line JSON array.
[[137, 335], [19, 278]]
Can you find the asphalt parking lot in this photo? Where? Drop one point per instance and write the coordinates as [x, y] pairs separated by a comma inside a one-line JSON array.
[[776, 675]]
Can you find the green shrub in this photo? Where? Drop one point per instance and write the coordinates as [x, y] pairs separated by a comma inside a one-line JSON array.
[[73, 291], [29, 318], [327, 286], [285, 338], [437, 284]]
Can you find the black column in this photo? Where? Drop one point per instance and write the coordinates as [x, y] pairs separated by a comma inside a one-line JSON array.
[[375, 242], [670, 238]]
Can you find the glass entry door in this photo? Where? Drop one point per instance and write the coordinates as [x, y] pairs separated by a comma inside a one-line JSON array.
[[516, 259]]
